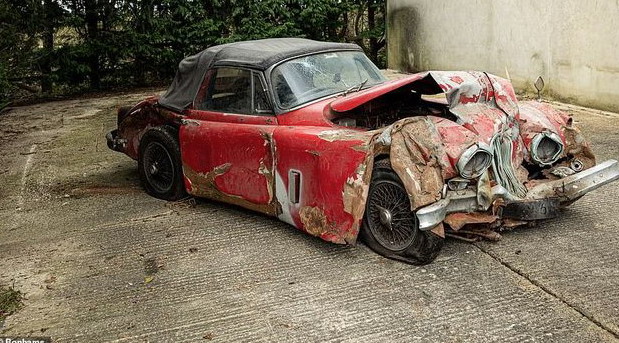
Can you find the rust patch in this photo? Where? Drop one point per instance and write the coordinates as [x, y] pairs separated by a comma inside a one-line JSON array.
[[268, 174], [483, 233], [414, 158], [439, 230], [509, 223], [313, 152], [314, 221], [268, 171], [203, 185], [355, 192], [457, 221], [578, 147]]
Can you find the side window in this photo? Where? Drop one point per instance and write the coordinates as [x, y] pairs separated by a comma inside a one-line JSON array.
[[228, 90], [233, 90]]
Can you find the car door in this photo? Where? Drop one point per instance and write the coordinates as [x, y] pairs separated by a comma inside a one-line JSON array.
[[226, 140]]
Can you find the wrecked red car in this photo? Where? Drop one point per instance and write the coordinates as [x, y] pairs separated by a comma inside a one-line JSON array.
[[313, 133]]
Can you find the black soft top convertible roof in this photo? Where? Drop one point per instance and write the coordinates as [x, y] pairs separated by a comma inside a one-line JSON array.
[[256, 54]]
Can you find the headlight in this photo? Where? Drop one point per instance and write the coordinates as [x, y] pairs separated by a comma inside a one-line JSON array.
[[546, 148], [474, 161]]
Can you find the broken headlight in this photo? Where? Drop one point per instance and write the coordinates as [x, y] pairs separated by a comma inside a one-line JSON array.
[[474, 161], [546, 148]]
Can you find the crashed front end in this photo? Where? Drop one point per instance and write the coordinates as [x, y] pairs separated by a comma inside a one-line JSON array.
[[489, 163], [461, 207]]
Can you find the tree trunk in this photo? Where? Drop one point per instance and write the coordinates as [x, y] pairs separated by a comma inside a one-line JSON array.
[[92, 28], [48, 48], [371, 26], [143, 27]]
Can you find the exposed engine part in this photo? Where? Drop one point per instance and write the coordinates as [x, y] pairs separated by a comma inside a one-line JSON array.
[[390, 108], [457, 184]]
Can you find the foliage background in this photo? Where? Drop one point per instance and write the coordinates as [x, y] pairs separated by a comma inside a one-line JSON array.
[[52, 47]]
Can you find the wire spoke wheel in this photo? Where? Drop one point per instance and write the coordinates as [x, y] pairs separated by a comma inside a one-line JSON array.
[[390, 219], [159, 167]]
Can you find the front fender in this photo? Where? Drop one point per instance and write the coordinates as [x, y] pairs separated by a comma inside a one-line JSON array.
[[537, 117], [418, 156], [335, 168]]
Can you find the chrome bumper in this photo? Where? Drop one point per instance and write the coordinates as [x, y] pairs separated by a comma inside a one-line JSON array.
[[114, 142], [564, 190]]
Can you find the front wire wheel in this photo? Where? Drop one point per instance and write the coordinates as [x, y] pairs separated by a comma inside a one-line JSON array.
[[389, 226]]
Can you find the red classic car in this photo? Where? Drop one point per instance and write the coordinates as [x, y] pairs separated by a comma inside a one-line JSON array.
[[313, 133]]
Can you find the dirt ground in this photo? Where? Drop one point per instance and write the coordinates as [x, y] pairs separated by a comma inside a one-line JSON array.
[[99, 260]]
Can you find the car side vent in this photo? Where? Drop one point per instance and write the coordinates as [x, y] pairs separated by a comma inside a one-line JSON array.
[[294, 186]]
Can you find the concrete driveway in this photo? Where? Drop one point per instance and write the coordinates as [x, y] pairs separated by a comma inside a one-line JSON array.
[[99, 260]]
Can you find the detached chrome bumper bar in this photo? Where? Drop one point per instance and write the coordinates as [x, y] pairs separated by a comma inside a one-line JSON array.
[[562, 191]]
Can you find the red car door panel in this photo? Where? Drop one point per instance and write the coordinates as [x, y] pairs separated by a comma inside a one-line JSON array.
[[226, 141], [229, 161]]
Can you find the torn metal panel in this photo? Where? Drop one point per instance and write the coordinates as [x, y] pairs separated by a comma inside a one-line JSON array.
[[334, 174], [415, 156], [456, 221], [355, 192]]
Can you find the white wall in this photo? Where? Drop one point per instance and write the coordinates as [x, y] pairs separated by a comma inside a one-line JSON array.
[[572, 44]]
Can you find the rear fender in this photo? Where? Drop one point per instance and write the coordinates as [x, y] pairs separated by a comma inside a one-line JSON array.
[[134, 123]]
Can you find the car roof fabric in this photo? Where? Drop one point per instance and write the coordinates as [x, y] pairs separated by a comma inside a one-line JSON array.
[[257, 54]]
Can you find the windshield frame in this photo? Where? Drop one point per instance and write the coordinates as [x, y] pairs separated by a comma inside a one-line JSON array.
[[281, 110]]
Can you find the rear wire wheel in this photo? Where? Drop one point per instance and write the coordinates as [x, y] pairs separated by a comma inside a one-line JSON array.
[[389, 226], [159, 164]]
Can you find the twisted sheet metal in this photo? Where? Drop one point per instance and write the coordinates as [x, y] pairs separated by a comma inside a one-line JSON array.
[[504, 171]]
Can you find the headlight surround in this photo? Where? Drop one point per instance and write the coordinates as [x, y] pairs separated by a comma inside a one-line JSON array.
[[474, 161], [546, 148]]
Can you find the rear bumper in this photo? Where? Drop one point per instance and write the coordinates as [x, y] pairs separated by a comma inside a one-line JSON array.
[[541, 201], [114, 142]]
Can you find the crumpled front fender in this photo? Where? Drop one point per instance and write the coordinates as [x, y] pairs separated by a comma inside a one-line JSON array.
[[537, 117], [418, 156]]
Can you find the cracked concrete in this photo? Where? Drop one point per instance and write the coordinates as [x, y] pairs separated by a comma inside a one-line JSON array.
[[100, 260]]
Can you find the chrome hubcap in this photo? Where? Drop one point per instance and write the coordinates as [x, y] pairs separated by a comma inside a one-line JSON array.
[[153, 169], [384, 216]]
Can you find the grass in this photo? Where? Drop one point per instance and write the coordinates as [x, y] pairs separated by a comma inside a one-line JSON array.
[[10, 301]]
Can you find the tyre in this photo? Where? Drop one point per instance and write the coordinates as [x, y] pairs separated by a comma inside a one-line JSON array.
[[159, 164], [389, 227]]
